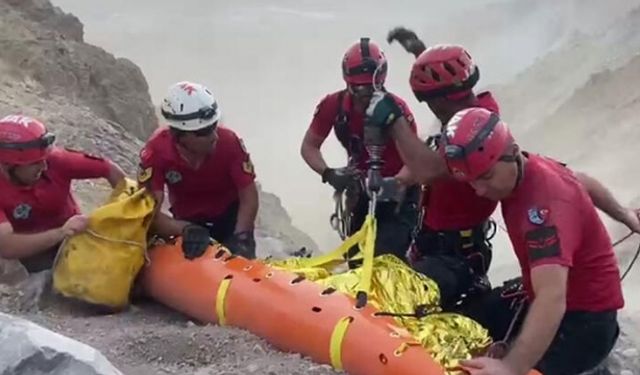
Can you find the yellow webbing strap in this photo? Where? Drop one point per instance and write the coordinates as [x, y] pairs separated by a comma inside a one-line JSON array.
[[335, 348], [335, 255], [367, 246], [220, 298]]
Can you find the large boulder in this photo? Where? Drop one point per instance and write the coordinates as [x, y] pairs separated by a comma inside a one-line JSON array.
[[28, 349]]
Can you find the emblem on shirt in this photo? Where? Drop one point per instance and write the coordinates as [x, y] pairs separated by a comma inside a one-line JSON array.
[[22, 211], [144, 174], [173, 177], [538, 215], [247, 167]]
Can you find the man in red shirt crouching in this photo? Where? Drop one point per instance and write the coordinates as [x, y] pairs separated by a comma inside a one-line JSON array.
[[569, 270], [37, 208], [207, 171]]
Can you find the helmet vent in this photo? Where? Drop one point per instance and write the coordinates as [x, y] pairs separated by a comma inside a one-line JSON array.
[[449, 68], [433, 74]]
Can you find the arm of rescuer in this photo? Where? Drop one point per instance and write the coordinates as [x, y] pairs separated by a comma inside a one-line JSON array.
[[404, 175], [320, 127], [76, 165], [150, 175], [549, 249], [604, 200], [243, 175], [18, 246], [425, 164], [323, 121]]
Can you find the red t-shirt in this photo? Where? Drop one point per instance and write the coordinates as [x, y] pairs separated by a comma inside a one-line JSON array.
[[453, 205], [49, 203], [203, 193], [551, 220], [325, 118]]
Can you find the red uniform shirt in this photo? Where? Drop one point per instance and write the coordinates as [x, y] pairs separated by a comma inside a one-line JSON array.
[[453, 205], [551, 220], [325, 118], [49, 203], [203, 193]]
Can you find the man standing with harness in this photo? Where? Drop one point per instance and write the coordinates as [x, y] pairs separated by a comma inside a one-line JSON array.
[[453, 245], [364, 68]]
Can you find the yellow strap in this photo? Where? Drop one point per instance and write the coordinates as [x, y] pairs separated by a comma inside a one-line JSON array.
[[220, 298], [335, 348], [367, 247], [335, 255]]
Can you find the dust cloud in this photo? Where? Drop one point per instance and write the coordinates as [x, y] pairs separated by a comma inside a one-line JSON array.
[[269, 63]]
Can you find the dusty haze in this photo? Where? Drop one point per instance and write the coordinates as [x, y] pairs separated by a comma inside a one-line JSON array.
[[270, 62]]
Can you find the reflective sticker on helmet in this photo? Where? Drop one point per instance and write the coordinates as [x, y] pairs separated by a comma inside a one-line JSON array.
[[188, 88], [247, 167], [18, 119]]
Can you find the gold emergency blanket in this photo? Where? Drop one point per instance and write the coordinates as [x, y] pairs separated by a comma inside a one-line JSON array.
[[397, 289]]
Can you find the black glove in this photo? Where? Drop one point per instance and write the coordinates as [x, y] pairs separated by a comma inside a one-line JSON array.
[[408, 39], [340, 178], [242, 244], [195, 241], [382, 113]]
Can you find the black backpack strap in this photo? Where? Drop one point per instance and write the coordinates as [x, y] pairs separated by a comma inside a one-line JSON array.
[[341, 124]]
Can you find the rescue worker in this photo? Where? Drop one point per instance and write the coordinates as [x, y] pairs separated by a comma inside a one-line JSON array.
[[453, 245], [364, 66], [207, 171], [569, 270], [37, 208]]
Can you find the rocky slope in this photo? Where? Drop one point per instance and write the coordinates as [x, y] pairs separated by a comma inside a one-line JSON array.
[[101, 104]]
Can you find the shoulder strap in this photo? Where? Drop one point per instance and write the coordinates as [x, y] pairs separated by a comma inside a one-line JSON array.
[[341, 124]]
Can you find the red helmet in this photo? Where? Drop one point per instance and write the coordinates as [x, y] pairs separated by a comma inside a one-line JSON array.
[[443, 70], [362, 61], [473, 141], [23, 140]]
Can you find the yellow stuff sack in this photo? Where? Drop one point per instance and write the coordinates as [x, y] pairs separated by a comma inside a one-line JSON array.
[[99, 265]]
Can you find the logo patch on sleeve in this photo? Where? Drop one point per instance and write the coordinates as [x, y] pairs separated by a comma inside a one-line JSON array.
[[538, 215], [247, 167], [144, 174], [542, 243]]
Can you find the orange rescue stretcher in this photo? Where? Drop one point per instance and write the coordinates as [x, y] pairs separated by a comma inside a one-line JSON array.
[[289, 311]]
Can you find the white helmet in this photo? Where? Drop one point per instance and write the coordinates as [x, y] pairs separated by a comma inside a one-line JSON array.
[[190, 106]]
